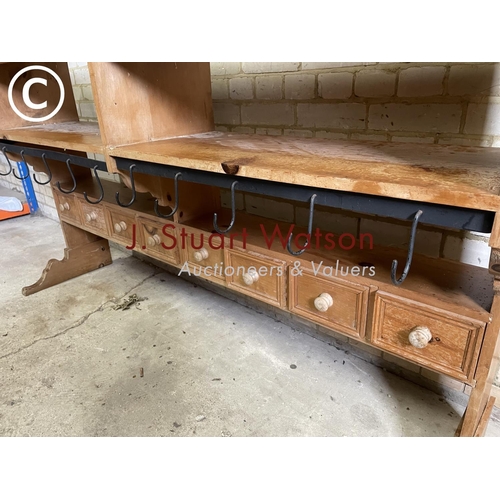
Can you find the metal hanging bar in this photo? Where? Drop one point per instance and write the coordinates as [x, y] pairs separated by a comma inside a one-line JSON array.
[[411, 246], [309, 230], [49, 172], [8, 161], [100, 187], [233, 212], [132, 184], [58, 184], [27, 169], [176, 194]]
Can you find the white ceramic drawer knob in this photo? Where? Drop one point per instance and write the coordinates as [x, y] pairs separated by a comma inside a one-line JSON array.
[[251, 277], [154, 240], [64, 206], [323, 302], [91, 216], [420, 336], [120, 226], [201, 254]]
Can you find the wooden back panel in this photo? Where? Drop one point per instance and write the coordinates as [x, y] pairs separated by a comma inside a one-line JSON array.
[[140, 102], [38, 94]]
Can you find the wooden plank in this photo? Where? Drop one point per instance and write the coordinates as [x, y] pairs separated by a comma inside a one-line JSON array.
[[450, 175], [485, 418], [77, 136], [138, 102]]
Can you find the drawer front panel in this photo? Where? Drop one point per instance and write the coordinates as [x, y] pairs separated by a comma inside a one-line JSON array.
[[67, 206], [257, 275], [93, 216], [154, 240], [331, 302], [202, 260], [121, 226], [453, 341]]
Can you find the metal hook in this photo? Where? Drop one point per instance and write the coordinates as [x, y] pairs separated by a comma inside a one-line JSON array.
[[233, 211], [68, 164], [100, 187], [14, 170], [309, 230], [176, 192], [132, 183], [8, 161], [49, 174], [411, 245]]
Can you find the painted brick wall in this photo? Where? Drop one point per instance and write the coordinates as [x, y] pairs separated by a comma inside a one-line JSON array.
[[439, 103]]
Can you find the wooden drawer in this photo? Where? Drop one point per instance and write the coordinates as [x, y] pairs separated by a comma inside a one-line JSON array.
[[121, 226], [455, 340], [257, 275], [154, 240], [331, 302], [94, 217], [68, 207], [202, 260]]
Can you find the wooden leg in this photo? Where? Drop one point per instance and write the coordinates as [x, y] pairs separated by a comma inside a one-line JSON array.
[[85, 252], [476, 415]]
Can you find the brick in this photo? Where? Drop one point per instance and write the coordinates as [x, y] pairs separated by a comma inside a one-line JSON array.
[[241, 88], [323, 134], [298, 133], [77, 92], [269, 67], [375, 83], [226, 113], [243, 130], [82, 76], [220, 89], [268, 87], [442, 380], [225, 199], [335, 85], [415, 117], [385, 234], [465, 250], [221, 128], [268, 131], [428, 242], [424, 81], [342, 115], [465, 141], [327, 220], [483, 119], [401, 362], [421, 140], [299, 86], [474, 79], [369, 137], [268, 207], [87, 93], [88, 110], [224, 68], [327, 65], [267, 114]]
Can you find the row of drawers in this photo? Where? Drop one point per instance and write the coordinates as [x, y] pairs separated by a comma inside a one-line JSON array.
[[431, 337]]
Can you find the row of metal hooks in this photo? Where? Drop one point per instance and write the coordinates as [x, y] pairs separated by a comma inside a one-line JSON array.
[[395, 280]]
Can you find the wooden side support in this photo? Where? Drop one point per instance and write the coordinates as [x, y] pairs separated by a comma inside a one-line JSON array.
[[85, 252], [475, 419]]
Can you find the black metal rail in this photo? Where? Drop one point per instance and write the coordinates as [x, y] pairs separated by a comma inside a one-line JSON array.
[[438, 215]]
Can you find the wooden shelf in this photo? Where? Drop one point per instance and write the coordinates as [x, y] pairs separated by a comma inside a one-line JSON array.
[[457, 176], [76, 136]]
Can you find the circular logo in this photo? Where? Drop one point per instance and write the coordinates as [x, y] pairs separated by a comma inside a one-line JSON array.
[[26, 96]]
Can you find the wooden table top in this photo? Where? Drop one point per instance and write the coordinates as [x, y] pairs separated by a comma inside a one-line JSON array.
[[461, 176]]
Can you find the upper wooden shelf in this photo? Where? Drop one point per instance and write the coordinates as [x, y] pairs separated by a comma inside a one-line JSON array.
[[449, 175], [75, 136]]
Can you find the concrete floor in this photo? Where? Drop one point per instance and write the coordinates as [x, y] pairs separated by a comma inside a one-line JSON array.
[[70, 363]]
